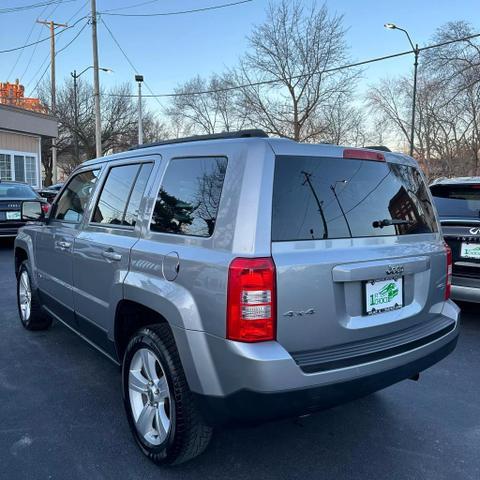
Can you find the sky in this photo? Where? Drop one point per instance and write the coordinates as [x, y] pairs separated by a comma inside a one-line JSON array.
[[170, 50]]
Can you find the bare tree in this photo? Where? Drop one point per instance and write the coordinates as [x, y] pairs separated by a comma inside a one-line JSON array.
[[209, 112], [448, 105], [76, 141], [294, 47]]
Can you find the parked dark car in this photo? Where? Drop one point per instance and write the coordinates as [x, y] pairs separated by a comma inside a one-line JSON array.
[[458, 205], [12, 196], [49, 193]]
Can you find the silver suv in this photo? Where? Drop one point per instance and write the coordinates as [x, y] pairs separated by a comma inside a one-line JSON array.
[[241, 278]]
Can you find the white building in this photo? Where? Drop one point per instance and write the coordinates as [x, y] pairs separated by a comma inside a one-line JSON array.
[[21, 132]]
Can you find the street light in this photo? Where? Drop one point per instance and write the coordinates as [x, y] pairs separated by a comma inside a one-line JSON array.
[[139, 79], [75, 77], [416, 51]]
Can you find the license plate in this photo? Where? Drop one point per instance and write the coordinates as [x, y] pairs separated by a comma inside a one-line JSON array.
[[13, 216], [470, 250], [383, 295]]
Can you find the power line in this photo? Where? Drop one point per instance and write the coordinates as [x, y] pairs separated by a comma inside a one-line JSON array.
[[28, 38], [56, 53], [180, 12], [8, 50], [129, 7], [135, 70], [295, 77], [33, 6]]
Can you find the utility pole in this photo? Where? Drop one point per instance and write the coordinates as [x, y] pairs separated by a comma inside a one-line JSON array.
[[96, 83], [308, 182], [52, 25], [139, 79], [75, 113]]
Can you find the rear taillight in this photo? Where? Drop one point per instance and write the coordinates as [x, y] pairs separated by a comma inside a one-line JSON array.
[[360, 154], [45, 208], [448, 281], [251, 301]]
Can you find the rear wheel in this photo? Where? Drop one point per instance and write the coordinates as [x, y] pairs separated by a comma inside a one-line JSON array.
[[158, 402], [30, 309]]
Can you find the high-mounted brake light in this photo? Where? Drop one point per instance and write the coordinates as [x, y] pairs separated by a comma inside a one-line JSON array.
[[251, 299], [448, 281], [359, 154]]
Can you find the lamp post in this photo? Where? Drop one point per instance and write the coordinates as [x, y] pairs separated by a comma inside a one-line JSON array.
[[139, 79], [416, 51], [75, 77]]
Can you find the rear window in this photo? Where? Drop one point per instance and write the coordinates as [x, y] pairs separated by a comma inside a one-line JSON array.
[[10, 191], [457, 200], [321, 198]]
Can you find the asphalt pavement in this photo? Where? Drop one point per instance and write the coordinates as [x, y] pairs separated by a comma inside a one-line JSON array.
[[61, 417]]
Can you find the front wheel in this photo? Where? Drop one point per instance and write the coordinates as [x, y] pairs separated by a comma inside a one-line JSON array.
[[158, 402], [29, 307]]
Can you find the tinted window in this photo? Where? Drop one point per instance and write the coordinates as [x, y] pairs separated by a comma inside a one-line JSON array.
[[457, 200], [136, 196], [115, 194], [187, 203], [320, 198], [74, 199], [13, 191]]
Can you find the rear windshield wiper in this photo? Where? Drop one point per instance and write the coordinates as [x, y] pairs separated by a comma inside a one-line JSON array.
[[386, 222]]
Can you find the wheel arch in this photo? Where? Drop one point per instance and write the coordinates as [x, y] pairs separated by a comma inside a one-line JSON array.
[[130, 316], [21, 255]]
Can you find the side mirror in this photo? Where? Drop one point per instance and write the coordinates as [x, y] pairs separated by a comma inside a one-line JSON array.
[[32, 211]]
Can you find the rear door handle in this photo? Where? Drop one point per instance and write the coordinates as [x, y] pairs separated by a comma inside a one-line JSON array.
[[111, 255], [63, 245]]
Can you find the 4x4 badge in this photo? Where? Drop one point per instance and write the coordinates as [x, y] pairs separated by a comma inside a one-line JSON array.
[[394, 270], [475, 230], [301, 313]]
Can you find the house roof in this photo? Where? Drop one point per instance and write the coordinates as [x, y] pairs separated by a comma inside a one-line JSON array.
[[21, 120]]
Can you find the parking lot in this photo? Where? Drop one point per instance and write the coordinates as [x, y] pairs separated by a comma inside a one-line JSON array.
[[61, 417]]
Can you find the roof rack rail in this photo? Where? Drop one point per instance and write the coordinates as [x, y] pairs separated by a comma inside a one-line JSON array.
[[215, 136]]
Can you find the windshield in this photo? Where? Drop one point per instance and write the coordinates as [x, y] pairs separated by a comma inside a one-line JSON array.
[[9, 191], [323, 198], [457, 200]]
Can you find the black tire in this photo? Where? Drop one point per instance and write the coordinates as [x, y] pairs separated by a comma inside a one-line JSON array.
[[37, 319], [188, 435]]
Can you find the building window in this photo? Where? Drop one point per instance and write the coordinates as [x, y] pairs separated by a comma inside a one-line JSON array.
[[5, 167], [19, 167]]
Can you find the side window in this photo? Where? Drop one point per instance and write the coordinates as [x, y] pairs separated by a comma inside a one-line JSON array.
[[121, 195], [74, 199], [136, 196], [187, 202]]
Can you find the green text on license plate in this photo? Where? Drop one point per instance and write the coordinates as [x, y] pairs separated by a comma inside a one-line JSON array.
[[470, 250], [383, 295], [13, 216]]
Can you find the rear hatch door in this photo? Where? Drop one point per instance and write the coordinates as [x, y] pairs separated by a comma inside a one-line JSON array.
[[357, 252]]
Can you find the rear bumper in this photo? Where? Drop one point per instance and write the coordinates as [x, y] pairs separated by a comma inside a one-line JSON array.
[[7, 231], [246, 406], [463, 293], [236, 382]]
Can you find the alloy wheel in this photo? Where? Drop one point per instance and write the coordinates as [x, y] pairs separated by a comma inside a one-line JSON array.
[[150, 398]]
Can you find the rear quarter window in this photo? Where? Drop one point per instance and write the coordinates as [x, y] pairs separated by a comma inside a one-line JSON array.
[[325, 198], [189, 196]]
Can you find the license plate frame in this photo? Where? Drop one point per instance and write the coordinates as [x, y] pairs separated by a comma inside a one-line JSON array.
[[473, 246], [388, 295], [14, 215]]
